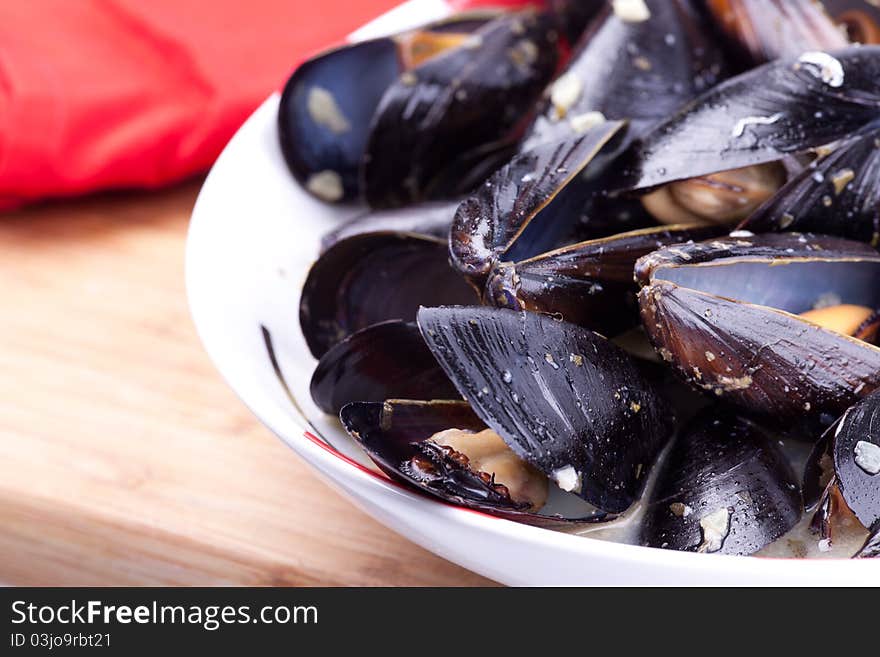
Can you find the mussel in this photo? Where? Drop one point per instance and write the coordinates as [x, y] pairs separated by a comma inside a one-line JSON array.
[[724, 487], [825, 103], [855, 453], [640, 60], [546, 402], [445, 449], [787, 106], [384, 361], [744, 319], [329, 102], [375, 277], [838, 194], [564, 399], [498, 235], [530, 203], [417, 116], [589, 283]]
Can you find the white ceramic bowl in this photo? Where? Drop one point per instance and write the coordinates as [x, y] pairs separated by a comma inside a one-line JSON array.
[[253, 235]]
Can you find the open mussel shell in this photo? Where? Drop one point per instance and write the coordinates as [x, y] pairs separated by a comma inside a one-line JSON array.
[[640, 65], [725, 488], [590, 284], [787, 106], [385, 361], [432, 219], [725, 312], [328, 103], [438, 125], [772, 29], [563, 398], [372, 278], [528, 204], [856, 455], [838, 195], [395, 434]]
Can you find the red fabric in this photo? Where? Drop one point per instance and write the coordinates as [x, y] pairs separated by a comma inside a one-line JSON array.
[[125, 93]]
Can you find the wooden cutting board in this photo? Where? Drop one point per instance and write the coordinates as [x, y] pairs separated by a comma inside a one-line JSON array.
[[124, 458]]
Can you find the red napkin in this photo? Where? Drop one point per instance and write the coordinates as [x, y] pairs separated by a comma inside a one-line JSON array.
[[97, 94]]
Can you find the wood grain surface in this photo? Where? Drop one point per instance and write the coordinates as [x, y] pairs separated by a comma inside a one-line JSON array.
[[125, 458]]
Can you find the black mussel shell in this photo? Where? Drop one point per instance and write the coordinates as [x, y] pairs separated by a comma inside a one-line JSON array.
[[394, 433], [724, 488], [788, 106], [547, 187], [372, 278], [629, 68], [563, 398], [385, 361], [329, 102], [838, 195], [856, 454], [431, 219], [442, 120], [322, 123], [724, 314], [772, 29], [590, 284]]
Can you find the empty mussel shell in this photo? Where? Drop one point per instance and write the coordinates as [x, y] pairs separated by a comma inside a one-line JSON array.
[[725, 314], [638, 65], [431, 219], [328, 103], [384, 361], [838, 195], [564, 399], [787, 106], [442, 127], [528, 204], [406, 440], [724, 487], [590, 284], [856, 455], [771, 29], [372, 278]]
